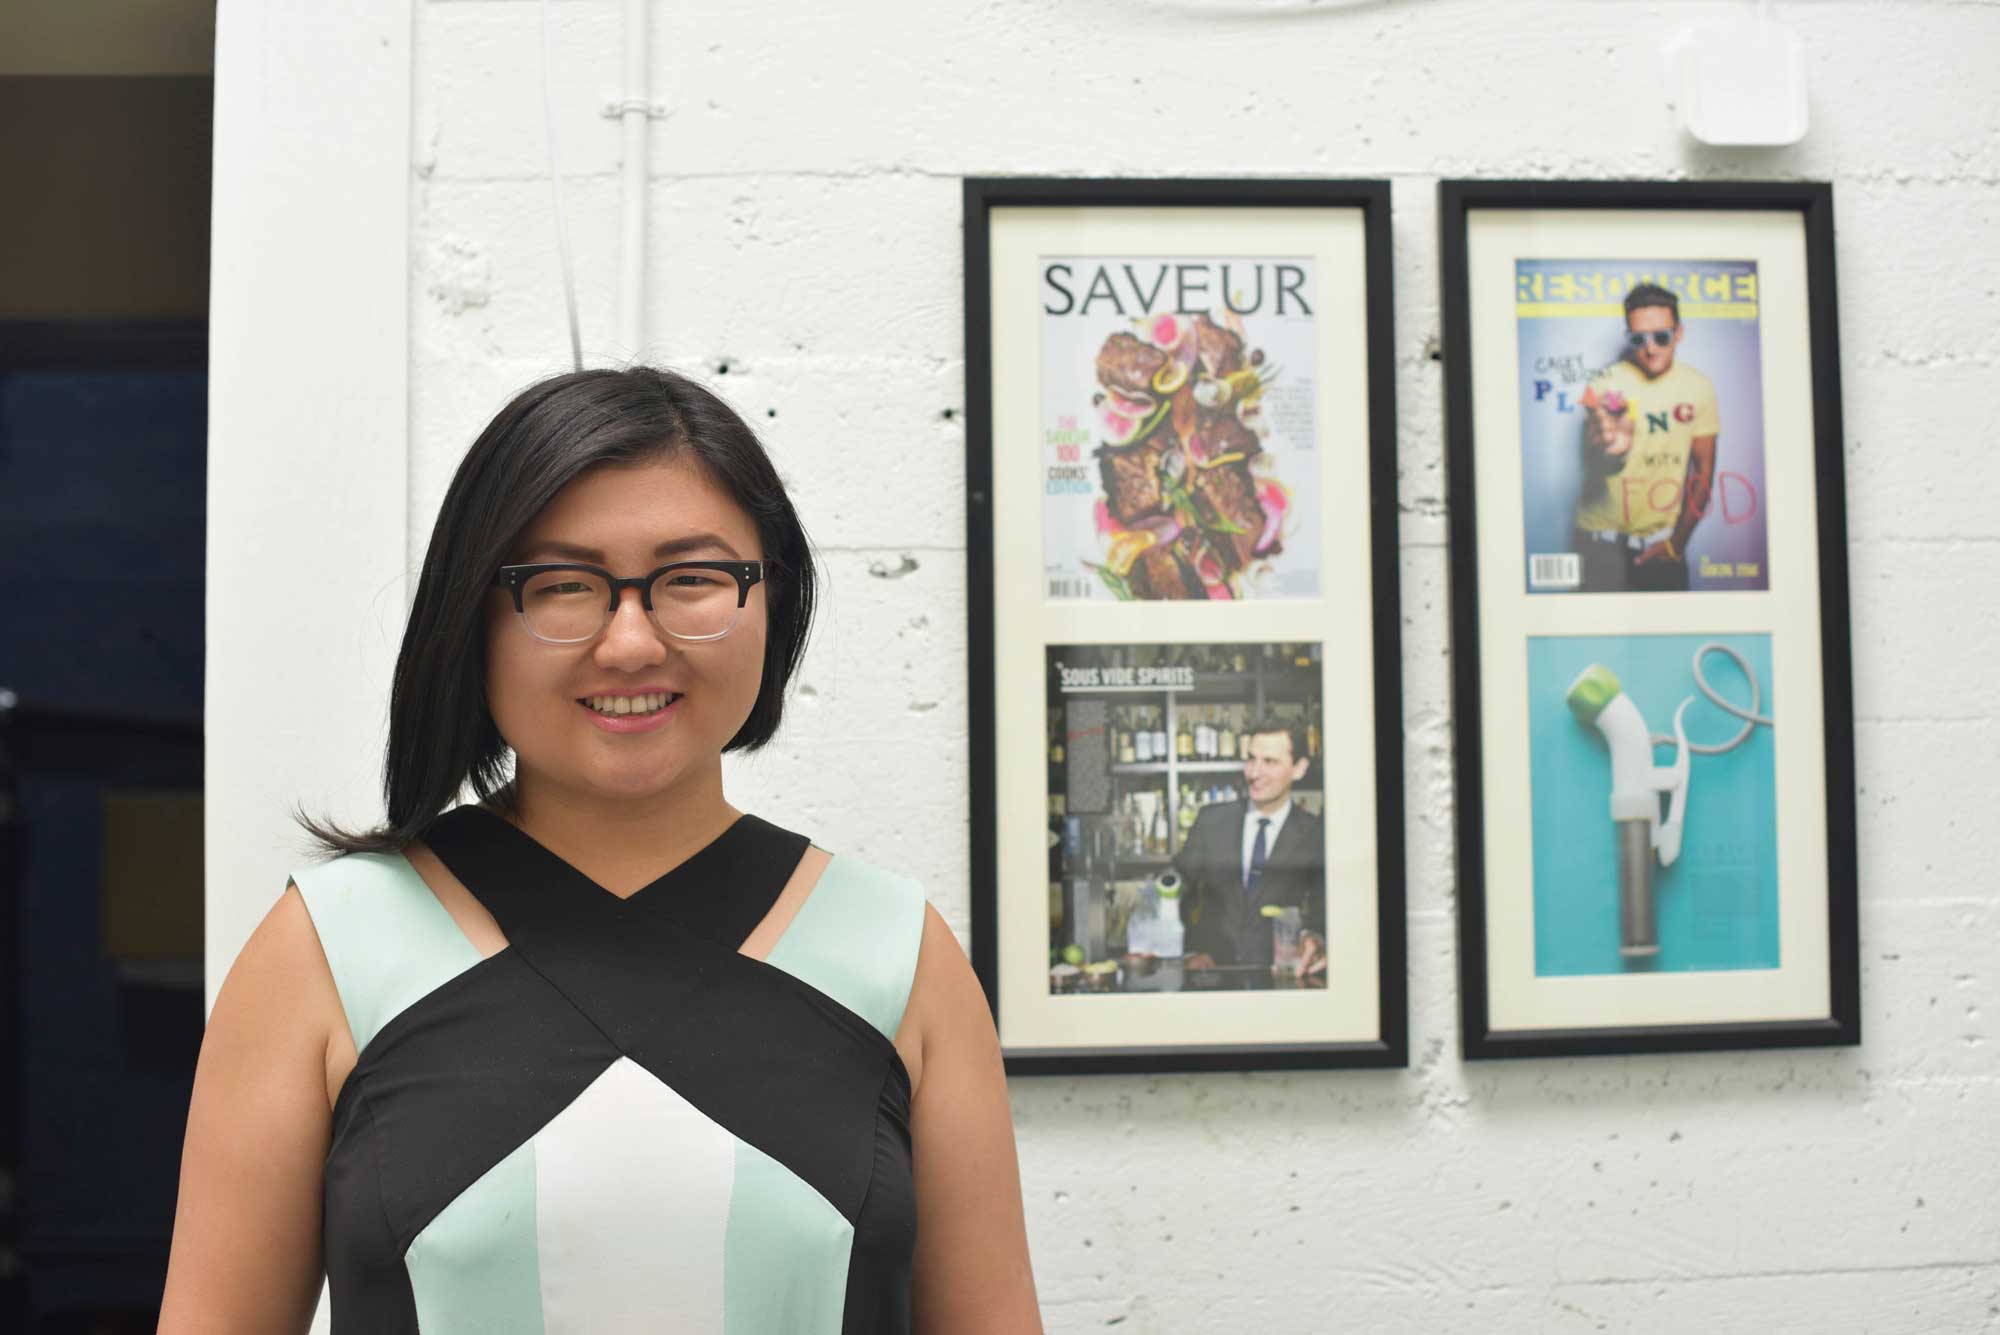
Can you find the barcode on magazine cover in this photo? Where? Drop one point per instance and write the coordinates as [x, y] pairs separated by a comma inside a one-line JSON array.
[[1068, 586], [1557, 570]]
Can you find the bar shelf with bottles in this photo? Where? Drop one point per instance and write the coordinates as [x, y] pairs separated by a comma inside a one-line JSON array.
[[1176, 750]]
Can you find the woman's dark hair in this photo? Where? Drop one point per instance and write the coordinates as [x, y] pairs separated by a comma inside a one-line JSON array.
[[441, 734]]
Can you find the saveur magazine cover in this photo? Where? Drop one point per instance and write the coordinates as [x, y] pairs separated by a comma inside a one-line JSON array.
[[1178, 428]]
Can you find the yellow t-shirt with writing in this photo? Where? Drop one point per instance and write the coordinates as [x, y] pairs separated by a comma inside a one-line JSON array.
[[1667, 414]]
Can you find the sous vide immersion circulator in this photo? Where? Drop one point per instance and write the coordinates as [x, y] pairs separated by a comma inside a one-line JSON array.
[[1597, 699]]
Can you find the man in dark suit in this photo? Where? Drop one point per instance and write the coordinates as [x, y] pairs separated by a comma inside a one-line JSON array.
[[1241, 856]]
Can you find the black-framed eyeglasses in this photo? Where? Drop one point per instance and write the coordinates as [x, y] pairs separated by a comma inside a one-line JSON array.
[[1661, 337], [568, 602]]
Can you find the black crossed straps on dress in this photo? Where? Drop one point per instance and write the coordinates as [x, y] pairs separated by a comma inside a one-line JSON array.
[[630, 1111]]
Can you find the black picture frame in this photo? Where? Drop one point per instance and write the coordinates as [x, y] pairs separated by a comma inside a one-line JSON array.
[[1388, 1046], [1459, 203]]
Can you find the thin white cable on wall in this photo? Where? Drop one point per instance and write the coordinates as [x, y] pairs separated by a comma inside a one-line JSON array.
[[555, 182], [635, 115]]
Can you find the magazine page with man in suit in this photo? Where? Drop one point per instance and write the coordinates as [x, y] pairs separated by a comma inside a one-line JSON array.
[[1241, 857]]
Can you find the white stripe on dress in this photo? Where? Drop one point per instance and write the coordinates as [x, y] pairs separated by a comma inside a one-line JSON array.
[[632, 1187]]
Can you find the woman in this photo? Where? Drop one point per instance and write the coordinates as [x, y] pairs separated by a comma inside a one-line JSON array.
[[598, 1052]]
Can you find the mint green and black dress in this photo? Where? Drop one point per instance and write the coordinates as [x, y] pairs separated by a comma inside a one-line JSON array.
[[618, 1122]]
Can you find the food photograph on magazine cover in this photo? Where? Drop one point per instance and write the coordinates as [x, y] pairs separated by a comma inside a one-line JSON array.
[[1180, 449]]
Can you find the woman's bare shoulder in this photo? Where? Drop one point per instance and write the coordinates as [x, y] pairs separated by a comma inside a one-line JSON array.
[[246, 1228], [280, 985], [947, 1007]]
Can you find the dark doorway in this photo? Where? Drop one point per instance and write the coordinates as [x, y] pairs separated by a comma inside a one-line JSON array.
[[103, 441]]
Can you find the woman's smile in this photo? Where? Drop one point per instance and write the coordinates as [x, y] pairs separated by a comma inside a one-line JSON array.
[[634, 712]]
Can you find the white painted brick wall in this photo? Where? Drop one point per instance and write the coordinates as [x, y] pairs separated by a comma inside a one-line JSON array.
[[805, 232]]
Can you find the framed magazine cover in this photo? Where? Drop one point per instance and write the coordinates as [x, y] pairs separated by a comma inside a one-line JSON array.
[[1651, 679], [1185, 681]]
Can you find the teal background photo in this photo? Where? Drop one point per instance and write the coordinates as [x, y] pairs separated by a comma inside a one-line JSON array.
[[1718, 902]]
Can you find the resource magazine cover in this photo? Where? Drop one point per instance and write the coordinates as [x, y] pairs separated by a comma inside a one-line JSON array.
[[1642, 425]]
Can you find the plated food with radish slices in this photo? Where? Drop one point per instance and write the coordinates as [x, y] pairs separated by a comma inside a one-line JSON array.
[[1190, 502]]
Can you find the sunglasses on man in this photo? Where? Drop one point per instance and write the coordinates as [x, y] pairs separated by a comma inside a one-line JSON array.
[[1661, 338]]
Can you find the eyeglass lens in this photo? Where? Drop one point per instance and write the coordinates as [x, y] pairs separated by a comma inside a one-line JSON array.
[[573, 604], [1660, 337]]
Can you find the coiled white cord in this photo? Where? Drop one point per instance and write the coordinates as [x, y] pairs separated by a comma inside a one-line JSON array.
[[1751, 718]]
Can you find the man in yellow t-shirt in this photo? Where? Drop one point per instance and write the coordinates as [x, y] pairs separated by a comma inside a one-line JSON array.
[[1649, 456]]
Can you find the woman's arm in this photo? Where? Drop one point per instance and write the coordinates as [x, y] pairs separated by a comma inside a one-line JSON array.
[[971, 1273], [246, 1251]]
